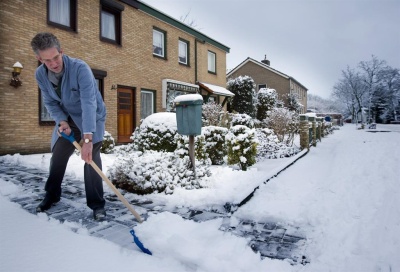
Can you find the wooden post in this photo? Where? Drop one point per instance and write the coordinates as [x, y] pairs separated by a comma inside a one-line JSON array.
[[191, 153]]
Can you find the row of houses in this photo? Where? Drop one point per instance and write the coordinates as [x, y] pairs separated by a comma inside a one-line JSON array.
[[141, 58]]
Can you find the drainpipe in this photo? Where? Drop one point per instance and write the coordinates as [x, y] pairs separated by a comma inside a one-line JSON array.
[[195, 57]]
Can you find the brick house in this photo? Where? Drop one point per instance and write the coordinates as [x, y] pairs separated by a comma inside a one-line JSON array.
[[141, 58], [265, 76]]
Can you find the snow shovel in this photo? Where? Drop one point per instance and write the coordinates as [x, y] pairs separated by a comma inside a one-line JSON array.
[[109, 183]]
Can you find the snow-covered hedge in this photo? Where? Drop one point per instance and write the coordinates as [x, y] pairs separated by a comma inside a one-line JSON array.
[[242, 119], [266, 101], [151, 171], [242, 146], [212, 113], [269, 146], [244, 89], [108, 144], [157, 132], [215, 145], [182, 149]]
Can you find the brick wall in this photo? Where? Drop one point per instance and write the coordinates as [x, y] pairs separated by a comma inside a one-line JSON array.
[[131, 65]]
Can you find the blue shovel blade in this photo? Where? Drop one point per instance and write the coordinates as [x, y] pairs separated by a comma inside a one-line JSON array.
[[139, 244]]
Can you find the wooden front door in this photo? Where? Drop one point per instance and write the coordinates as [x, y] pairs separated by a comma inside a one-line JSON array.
[[126, 116]]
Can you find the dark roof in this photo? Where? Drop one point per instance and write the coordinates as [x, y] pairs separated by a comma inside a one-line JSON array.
[[174, 22]]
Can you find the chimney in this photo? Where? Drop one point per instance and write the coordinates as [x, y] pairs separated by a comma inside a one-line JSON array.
[[265, 61]]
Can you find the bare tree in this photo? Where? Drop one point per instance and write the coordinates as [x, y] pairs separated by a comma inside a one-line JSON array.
[[370, 78], [351, 90], [389, 83]]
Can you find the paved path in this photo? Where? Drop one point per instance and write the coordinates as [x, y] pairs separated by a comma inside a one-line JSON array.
[[269, 238]]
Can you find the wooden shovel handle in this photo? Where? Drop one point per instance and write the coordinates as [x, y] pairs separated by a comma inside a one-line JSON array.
[[109, 183]]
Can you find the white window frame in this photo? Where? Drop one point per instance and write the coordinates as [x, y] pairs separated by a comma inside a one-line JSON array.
[[158, 42], [183, 52], [142, 106], [212, 62]]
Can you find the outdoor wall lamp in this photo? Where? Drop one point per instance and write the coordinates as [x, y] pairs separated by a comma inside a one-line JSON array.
[[15, 81], [113, 87]]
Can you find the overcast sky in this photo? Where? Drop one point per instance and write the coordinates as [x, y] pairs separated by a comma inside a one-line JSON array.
[[310, 40]]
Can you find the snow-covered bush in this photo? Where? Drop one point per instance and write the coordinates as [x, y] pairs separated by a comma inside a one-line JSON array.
[[294, 102], [244, 89], [282, 122], [151, 171], [157, 132], [182, 149], [269, 146], [108, 143], [266, 101], [226, 119], [215, 145], [242, 146], [212, 112], [242, 119]]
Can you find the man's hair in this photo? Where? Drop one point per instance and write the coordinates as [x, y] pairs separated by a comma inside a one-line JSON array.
[[43, 41]]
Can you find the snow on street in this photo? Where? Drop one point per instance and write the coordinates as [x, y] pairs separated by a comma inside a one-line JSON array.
[[343, 195]]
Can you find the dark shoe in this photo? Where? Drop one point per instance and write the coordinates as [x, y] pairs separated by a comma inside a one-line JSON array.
[[99, 214], [46, 203]]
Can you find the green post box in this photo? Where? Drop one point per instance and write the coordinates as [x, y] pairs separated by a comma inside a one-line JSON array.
[[188, 114]]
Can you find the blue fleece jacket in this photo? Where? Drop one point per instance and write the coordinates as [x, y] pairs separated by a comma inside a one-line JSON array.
[[80, 98]]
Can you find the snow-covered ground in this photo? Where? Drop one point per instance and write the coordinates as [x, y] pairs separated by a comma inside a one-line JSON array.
[[343, 195]]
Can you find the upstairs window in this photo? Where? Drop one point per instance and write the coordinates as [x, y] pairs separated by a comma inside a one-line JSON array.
[[110, 21], [62, 14], [211, 62], [159, 43], [183, 57]]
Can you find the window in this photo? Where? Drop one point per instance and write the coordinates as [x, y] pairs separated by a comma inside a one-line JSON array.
[[159, 43], [62, 14], [211, 62], [262, 86], [110, 21], [172, 89], [183, 52], [99, 75], [147, 103]]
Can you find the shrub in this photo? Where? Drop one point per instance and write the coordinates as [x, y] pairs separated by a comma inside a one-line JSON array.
[[243, 101], [157, 132], [280, 120], [226, 120], [211, 112], [269, 146], [182, 149], [156, 172], [242, 119], [108, 144], [242, 146], [266, 101], [215, 145]]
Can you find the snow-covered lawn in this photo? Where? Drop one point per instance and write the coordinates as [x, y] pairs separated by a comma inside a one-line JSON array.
[[343, 195]]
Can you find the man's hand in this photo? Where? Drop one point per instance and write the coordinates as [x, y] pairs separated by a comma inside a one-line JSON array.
[[87, 148], [64, 127], [86, 152]]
